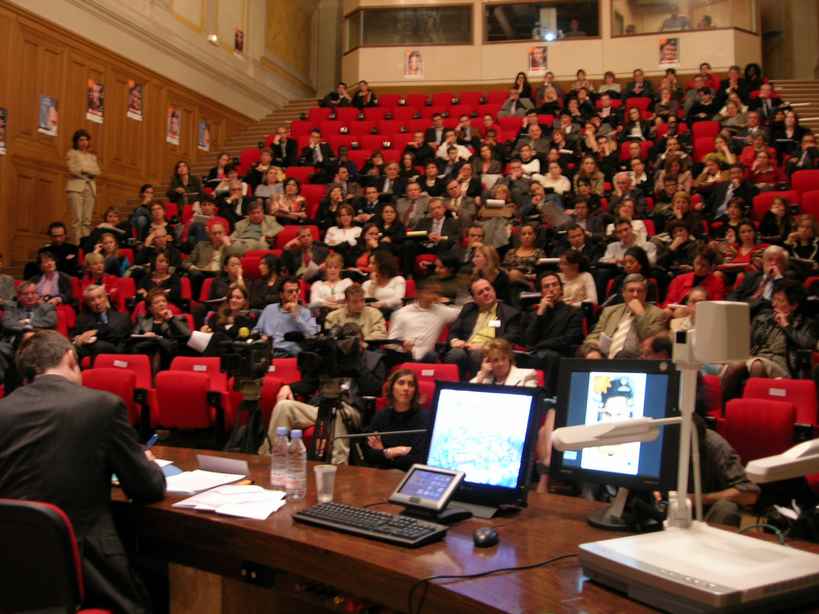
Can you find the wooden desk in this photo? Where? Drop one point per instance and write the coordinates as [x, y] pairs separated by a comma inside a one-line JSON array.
[[552, 525]]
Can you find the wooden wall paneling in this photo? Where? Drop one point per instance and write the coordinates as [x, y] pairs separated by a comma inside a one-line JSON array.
[[6, 32], [36, 198], [39, 58]]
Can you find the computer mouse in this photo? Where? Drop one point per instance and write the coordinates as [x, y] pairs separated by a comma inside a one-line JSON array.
[[485, 537]]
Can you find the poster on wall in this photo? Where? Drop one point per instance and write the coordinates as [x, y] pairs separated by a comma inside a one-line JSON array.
[[669, 52], [204, 135], [538, 60], [239, 41], [4, 118], [49, 118], [413, 64], [95, 107], [134, 100], [173, 126]]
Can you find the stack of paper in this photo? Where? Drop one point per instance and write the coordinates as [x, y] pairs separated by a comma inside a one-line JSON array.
[[191, 482], [234, 500]]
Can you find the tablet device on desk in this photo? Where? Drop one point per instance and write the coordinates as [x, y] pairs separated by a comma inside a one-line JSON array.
[[427, 487]]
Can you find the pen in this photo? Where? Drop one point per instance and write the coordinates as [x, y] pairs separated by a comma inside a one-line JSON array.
[[152, 441]]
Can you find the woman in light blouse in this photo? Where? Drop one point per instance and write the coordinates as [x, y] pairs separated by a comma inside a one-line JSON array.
[[81, 187], [329, 294], [385, 285], [578, 284], [343, 237]]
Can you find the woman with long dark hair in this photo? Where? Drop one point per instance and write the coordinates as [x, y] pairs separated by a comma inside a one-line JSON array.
[[267, 288], [403, 412], [185, 189]]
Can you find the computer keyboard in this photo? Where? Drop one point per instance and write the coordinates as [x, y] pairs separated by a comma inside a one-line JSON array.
[[392, 528]]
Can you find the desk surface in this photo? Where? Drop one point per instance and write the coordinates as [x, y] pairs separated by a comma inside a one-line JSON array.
[[552, 525]]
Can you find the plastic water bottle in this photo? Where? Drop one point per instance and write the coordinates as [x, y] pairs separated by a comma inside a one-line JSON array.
[[278, 459], [296, 467]]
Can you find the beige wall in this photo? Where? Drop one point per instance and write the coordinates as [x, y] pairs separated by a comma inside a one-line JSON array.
[[170, 37], [497, 63]]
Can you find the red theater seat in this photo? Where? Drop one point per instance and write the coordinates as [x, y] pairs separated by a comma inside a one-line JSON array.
[[43, 569]]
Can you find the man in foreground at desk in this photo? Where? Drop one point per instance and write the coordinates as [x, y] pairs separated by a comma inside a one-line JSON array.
[[60, 443]]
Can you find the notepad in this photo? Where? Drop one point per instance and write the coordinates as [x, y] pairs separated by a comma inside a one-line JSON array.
[[192, 482], [242, 501]]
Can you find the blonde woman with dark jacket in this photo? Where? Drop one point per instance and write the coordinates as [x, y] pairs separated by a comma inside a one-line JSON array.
[[81, 187]]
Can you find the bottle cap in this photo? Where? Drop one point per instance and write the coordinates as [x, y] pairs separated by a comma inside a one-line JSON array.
[[281, 430], [295, 434]]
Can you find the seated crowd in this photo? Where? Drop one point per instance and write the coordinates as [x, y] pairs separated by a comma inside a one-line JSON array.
[[563, 221]]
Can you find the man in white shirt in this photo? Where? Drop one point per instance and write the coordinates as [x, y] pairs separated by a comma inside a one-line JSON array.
[[419, 324], [451, 140], [615, 252]]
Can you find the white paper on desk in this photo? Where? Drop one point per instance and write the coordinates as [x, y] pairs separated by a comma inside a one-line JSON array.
[[162, 462], [245, 501], [258, 510], [192, 482]]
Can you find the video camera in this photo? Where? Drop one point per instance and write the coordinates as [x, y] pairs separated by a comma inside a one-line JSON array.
[[247, 358]]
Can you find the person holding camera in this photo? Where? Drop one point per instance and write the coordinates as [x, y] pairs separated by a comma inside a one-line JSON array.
[[365, 373]]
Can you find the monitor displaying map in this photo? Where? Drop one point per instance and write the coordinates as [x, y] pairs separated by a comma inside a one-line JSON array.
[[482, 431]]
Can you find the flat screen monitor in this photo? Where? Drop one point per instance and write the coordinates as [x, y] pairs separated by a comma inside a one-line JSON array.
[[488, 432], [594, 391]]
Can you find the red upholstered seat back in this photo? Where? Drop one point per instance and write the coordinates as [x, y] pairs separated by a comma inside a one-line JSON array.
[[759, 427], [800, 392], [182, 399]]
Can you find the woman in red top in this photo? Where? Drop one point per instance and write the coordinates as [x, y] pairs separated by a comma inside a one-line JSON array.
[[763, 171], [748, 247], [704, 275]]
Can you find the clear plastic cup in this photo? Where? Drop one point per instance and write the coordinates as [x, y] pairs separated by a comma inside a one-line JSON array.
[[325, 482]]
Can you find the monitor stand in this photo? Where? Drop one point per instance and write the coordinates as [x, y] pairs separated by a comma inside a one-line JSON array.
[[478, 511], [449, 515], [612, 517]]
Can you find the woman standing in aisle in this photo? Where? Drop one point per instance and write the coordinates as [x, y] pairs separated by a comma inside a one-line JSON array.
[[81, 187]]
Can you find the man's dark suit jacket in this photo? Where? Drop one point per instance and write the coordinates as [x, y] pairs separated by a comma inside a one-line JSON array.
[[510, 323], [716, 197], [60, 443], [424, 153], [307, 155], [289, 156], [559, 329], [431, 137], [750, 284], [112, 334], [451, 230]]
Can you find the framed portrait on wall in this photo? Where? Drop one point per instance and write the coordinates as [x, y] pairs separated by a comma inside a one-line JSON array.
[[538, 60], [204, 135], [174, 125], [135, 101], [239, 41], [95, 105], [413, 64], [669, 52], [49, 118]]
